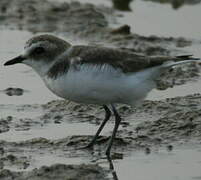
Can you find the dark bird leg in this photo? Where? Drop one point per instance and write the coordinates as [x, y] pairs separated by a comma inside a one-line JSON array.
[[114, 174], [107, 117], [117, 122]]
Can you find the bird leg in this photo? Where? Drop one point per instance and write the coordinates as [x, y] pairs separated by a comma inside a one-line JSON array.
[[117, 122], [107, 117]]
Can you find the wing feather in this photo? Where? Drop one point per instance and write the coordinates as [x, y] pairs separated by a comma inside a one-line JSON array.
[[127, 62], [124, 60]]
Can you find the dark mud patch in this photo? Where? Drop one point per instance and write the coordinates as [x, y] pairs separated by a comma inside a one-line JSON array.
[[58, 171], [13, 161], [49, 16], [122, 5], [180, 121], [59, 110], [13, 91], [5, 124]]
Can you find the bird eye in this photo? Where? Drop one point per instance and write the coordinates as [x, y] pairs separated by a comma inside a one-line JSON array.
[[39, 50]]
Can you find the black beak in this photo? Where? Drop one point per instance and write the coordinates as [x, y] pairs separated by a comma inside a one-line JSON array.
[[16, 60]]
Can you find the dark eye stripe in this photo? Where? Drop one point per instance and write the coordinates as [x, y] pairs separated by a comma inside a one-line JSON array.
[[39, 50]]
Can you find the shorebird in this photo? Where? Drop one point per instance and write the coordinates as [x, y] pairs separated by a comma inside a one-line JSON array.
[[95, 75]]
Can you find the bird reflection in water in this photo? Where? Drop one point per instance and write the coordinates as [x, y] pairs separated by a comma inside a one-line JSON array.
[[112, 169]]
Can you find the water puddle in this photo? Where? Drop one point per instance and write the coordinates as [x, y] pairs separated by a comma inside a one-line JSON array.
[[151, 18], [183, 163]]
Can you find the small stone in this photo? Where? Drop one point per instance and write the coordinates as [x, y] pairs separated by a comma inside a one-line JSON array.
[[14, 91], [1, 151], [125, 29], [169, 148], [57, 121], [117, 156], [11, 157], [147, 150]]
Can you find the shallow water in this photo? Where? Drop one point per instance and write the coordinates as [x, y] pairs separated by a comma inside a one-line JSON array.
[[180, 164], [149, 18]]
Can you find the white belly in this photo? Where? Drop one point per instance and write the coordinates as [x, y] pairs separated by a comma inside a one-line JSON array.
[[105, 85]]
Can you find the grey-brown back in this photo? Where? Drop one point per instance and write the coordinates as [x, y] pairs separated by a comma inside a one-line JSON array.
[[128, 62]]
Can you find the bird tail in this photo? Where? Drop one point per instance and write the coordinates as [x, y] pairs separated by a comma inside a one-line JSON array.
[[180, 60]]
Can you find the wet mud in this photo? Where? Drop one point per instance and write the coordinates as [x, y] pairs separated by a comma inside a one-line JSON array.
[[58, 171], [149, 127], [28, 147]]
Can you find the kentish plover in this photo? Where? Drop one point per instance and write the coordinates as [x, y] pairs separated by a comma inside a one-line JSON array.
[[95, 75]]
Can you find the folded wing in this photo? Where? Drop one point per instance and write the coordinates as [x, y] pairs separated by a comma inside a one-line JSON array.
[[124, 60]]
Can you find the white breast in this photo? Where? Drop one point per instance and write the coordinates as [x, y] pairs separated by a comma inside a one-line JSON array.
[[103, 85]]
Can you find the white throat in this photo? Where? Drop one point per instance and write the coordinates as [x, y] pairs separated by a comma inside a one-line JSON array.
[[40, 67]]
